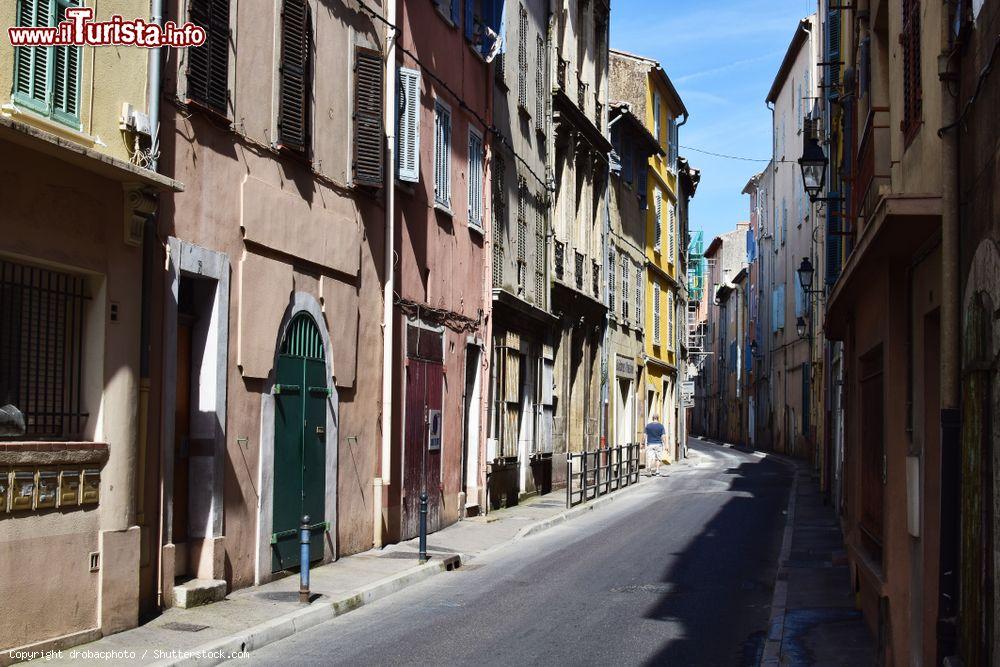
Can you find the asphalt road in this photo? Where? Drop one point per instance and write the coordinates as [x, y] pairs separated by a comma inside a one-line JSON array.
[[678, 572]]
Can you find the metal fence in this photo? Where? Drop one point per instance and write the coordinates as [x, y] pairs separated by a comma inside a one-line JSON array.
[[598, 473]]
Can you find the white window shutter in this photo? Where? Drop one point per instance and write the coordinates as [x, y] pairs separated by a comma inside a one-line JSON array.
[[626, 267], [475, 177], [638, 295], [656, 314], [612, 283], [671, 232], [657, 219], [656, 117], [409, 126], [670, 320]]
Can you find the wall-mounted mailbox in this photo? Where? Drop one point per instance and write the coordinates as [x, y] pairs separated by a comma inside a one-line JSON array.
[[4, 489], [69, 488], [48, 489], [22, 492], [91, 492]]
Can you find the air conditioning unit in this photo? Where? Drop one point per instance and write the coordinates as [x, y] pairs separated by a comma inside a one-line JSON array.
[[135, 121]]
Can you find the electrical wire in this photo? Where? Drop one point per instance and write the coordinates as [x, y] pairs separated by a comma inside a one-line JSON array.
[[979, 86], [735, 157]]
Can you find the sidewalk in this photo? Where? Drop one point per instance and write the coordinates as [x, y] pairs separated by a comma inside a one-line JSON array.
[[813, 617], [254, 617]]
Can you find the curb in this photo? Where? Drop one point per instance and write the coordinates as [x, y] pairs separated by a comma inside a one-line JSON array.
[[771, 654], [572, 513], [323, 609]]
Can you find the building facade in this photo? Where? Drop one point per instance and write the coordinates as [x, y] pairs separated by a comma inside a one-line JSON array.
[[79, 204], [520, 444], [644, 85], [633, 146], [578, 163]]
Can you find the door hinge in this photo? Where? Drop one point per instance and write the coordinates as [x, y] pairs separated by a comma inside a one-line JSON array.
[[286, 389]]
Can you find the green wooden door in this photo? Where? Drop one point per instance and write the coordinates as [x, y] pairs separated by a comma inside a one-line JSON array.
[[300, 395]]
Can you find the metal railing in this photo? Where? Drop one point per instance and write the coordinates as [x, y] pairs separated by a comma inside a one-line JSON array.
[[600, 472]]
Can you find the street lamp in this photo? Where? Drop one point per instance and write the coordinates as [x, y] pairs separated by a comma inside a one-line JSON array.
[[813, 164], [753, 349], [800, 327], [806, 273]]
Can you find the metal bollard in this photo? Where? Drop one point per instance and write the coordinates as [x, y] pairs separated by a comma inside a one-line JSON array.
[[423, 526], [304, 560]]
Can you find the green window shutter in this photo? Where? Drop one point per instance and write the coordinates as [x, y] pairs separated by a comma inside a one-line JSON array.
[[66, 77], [31, 68]]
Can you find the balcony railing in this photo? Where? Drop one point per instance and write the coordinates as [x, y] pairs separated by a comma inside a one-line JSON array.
[[579, 271], [559, 248], [561, 71], [581, 95], [598, 110], [873, 166], [595, 276]]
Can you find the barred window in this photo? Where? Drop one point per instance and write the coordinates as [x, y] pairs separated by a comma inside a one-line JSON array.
[[41, 349]]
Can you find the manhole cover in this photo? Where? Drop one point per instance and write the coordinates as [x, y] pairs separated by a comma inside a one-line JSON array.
[[183, 627], [654, 589]]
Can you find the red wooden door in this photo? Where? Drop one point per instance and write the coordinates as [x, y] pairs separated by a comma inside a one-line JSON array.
[[423, 433]]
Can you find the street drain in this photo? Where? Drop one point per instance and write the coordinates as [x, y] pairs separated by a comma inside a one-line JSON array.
[[183, 627], [654, 589]]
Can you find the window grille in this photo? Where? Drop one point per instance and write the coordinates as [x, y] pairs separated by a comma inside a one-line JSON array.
[[41, 349]]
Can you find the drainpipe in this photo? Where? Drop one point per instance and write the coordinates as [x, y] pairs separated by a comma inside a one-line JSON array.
[[148, 240], [950, 360], [388, 291], [773, 217]]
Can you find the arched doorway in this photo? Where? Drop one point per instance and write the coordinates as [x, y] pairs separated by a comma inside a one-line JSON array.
[[301, 391]]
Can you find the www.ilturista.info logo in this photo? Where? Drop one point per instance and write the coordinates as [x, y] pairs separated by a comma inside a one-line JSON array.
[[79, 29]]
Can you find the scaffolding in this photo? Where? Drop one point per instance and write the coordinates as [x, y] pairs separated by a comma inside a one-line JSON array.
[[696, 277]]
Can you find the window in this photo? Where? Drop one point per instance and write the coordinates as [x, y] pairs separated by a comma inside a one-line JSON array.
[[499, 217], [522, 235], [672, 148], [657, 219], [626, 269], [638, 295], [628, 160], [208, 64], [778, 308], [657, 113], [295, 75], [540, 84], [408, 154], [42, 349], [641, 187], [656, 314], [784, 222], [442, 155], [47, 78], [368, 132], [612, 284], [671, 329], [540, 254], [475, 179], [522, 57], [671, 232], [912, 90]]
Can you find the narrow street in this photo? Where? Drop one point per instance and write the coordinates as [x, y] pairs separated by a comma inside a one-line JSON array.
[[679, 572]]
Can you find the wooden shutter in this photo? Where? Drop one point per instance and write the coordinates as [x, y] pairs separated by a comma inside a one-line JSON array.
[[409, 125], [499, 218], [470, 19], [539, 83], [368, 132], [540, 252], [296, 74], [912, 93], [657, 113], [522, 57], [475, 177], [611, 284], [643, 184], [657, 219], [31, 63], [65, 81], [453, 11], [833, 53], [671, 232], [442, 155], [656, 314], [208, 64], [638, 295], [670, 320], [626, 269]]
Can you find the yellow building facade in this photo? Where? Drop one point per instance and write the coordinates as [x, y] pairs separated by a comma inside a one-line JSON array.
[[664, 282], [642, 84]]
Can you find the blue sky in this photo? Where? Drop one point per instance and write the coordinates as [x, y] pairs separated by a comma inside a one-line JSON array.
[[722, 56]]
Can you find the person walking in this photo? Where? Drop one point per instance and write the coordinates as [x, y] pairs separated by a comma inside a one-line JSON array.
[[654, 445]]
